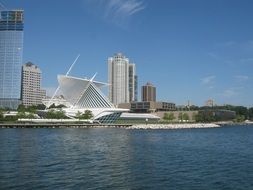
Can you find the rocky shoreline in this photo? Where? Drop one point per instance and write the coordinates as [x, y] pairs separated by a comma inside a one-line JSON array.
[[174, 126]]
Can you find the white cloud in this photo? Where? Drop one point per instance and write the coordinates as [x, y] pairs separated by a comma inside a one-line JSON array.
[[208, 80], [229, 93], [246, 60], [213, 55], [118, 11], [210, 87], [123, 8], [219, 58], [241, 78], [227, 44], [232, 92], [128, 8]]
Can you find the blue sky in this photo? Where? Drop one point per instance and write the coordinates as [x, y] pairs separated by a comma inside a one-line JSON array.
[[189, 49]]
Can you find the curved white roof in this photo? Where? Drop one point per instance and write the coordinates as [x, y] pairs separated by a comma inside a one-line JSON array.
[[83, 93], [139, 116]]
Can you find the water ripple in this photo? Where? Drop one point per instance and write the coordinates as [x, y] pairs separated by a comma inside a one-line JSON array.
[[220, 158]]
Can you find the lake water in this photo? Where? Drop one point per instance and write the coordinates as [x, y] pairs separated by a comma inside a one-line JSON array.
[[97, 158]]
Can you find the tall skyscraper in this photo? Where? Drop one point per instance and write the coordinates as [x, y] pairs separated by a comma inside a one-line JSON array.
[[148, 93], [32, 94], [132, 83], [118, 69], [11, 51], [135, 88], [121, 77]]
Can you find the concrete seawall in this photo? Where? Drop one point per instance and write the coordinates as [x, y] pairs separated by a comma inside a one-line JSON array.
[[61, 125], [126, 126]]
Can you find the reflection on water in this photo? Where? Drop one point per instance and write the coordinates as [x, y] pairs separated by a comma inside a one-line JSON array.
[[218, 158]]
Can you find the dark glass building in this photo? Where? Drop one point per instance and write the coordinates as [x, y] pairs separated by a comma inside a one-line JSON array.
[[132, 83], [135, 88], [11, 51]]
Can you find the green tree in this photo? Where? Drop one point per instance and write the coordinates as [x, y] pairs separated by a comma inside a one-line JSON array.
[[166, 116], [199, 117], [185, 117], [50, 114], [21, 114], [78, 115], [31, 109], [59, 106], [1, 115], [240, 118], [205, 116], [180, 116], [25, 115], [86, 115], [41, 107], [194, 116], [171, 116], [56, 114], [250, 113], [60, 114], [52, 106], [240, 110], [30, 116], [194, 108], [21, 108]]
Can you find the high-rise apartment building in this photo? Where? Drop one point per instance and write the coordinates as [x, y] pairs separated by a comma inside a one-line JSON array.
[[32, 94], [118, 78], [11, 51], [148, 93], [122, 79]]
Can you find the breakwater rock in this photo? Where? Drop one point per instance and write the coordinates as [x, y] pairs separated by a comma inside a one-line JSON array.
[[174, 126]]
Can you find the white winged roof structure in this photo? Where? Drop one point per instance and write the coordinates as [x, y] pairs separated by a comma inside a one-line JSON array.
[[83, 93]]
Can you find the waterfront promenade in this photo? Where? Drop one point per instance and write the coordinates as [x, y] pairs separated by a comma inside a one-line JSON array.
[[127, 126], [59, 125]]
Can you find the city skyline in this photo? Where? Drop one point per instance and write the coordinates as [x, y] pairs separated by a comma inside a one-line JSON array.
[[190, 50]]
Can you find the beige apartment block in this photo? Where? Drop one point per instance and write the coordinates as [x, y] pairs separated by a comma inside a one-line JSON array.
[[31, 92]]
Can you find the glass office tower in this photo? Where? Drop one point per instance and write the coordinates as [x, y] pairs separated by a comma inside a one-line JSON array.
[[11, 51]]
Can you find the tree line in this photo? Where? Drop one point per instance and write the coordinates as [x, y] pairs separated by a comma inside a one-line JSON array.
[[30, 112], [209, 114]]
